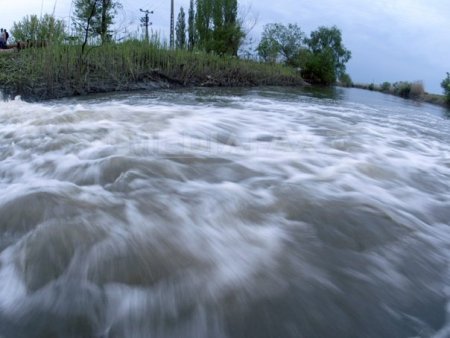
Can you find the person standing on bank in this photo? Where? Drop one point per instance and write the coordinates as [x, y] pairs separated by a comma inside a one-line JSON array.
[[6, 37], [2, 39]]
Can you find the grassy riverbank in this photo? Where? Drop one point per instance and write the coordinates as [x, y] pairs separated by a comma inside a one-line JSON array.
[[407, 90], [62, 71]]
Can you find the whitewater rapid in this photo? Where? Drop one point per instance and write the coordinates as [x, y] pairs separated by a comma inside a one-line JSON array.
[[233, 213]]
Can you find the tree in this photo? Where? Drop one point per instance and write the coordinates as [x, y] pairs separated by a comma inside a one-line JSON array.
[[317, 67], [445, 84], [191, 26], [94, 17], [181, 30], [329, 41], [203, 23], [386, 87], [32, 28], [281, 43], [346, 80], [218, 28]]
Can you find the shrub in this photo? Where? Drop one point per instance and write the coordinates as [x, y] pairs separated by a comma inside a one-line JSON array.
[[318, 67], [346, 80], [445, 84], [46, 28], [402, 89], [385, 87]]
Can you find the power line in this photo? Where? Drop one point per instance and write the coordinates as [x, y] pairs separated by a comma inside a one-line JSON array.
[[146, 21]]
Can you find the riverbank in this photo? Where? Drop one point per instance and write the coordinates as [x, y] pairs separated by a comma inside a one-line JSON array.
[[63, 71], [407, 90]]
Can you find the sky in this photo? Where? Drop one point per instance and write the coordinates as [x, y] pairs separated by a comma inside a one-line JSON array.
[[390, 40]]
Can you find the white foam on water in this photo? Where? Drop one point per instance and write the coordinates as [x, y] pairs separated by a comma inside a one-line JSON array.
[[190, 207]]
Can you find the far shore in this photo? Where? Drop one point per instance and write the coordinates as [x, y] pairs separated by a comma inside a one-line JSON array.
[[419, 96]]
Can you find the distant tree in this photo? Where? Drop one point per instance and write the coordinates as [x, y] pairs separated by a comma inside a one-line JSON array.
[[93, 18], [329, 41], [181, 30], [33, 28], [402, 88], [280, 42], [345, 80], [191, 26], [445, 84], [385, 87]]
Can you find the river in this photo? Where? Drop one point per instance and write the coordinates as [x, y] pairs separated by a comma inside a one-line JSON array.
[[271, 212]]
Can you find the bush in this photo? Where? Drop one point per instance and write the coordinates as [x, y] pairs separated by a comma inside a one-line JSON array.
[[386, 87], [345, 80], [409, 90], [318, 67], [445, 84], [402, 89], [46, 28]]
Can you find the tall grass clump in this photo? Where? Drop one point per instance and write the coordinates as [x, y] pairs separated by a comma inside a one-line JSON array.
[[417, 90]]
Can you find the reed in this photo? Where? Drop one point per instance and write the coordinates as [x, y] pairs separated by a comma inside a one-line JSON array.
[[61, 70]]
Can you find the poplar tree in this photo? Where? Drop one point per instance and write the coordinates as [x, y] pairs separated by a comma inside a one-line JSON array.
[[191, 26], [218, 27], [203, 23], [181, 30]]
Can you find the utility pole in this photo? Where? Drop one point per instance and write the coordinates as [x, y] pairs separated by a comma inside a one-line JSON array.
[[172, 28], [146, 21]]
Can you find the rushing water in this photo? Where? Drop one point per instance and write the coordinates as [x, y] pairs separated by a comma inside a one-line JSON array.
[[232, 213]]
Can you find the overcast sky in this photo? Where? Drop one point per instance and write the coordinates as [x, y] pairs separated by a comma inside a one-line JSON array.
[[390, 40]]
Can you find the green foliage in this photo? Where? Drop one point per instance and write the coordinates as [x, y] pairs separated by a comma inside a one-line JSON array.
[[322, 60], [93, 18], [345, 80], [280, 42], [32, 28], [402, 89], [445, 84], [217, 26], [317, 67], [372, 87], [329, 40], [181, 30], [385, 87], [191, 26], [203, 23], [408, 90]]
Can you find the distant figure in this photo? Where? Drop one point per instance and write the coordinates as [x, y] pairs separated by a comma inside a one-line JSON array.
[[6, 38], [2, 39]]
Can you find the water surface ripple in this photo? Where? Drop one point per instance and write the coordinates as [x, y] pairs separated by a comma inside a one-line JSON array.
[[233, 213]]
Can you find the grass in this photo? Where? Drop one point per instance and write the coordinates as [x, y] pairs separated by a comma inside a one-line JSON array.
[[58, 71]]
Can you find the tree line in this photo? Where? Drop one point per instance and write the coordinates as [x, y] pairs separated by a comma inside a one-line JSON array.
[[321, 57]]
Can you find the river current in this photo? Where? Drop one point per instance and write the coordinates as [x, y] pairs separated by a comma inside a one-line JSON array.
[[273, 212]]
